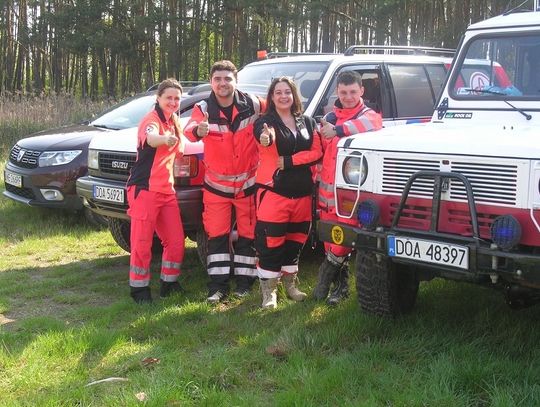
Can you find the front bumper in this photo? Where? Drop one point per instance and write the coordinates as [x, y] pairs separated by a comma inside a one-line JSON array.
[[189, 199], [61, 179], [486, 263]]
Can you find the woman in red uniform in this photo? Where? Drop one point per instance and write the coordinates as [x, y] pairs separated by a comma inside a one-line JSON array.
[[152, 199], [289, 146]]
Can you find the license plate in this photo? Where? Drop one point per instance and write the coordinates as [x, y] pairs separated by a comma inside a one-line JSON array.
[[109, 194], [429, 251], [13, 179]]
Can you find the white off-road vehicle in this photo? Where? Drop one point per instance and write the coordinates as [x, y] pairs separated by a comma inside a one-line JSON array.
[[459, 197]]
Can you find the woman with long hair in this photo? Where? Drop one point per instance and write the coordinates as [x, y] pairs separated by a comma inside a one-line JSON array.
[[289, 146]]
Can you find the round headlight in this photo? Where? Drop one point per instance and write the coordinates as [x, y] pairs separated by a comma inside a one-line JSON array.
[[355, 169], [506, 231]]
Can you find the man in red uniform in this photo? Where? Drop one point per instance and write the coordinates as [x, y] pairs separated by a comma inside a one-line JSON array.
[[151, 196], [224, 122], [349, 116]]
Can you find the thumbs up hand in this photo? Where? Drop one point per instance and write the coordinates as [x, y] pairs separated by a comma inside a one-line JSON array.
[[267, 136], [202, 128], [327, 130]]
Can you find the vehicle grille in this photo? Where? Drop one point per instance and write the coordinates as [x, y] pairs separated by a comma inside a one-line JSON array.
[[397, 171], [116, 164], [28, 159], [24, 192], [491, 182]]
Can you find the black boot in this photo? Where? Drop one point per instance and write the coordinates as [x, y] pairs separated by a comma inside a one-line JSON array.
[[341, 286], [327, 272], [168, 288], [141, 295]]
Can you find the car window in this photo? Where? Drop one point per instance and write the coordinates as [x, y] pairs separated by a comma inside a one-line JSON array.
[[306, 75], [372, 91], [412, 90], [437, 76], [506, 66], [127, 114]]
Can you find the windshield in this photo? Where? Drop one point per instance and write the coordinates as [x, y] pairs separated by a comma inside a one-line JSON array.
[[306, 75], [498, 67], [126, 114]]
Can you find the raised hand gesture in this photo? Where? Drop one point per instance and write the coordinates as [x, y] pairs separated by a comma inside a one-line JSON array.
[[202, 128], [268, 135]]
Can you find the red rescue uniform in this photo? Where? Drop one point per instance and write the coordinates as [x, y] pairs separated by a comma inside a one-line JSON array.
[[347, 122], [284, 196], [152, 204], [230, 160]]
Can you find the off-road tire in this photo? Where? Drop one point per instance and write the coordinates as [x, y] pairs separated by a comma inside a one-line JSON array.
[[384, 288], [202, 245], [120, 231]]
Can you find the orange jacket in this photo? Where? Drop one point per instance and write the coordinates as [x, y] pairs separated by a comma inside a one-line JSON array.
[[300, 153], [358, 119], [153, 168], [230, 151]]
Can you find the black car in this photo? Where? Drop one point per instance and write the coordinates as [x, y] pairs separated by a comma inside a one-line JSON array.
[[42, 169]]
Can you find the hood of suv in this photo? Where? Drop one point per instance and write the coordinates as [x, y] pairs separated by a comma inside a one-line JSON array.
[[518, 141], [63, 138]]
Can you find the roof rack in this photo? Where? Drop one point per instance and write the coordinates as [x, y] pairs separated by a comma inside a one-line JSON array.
[[398, 49], [280, 54]]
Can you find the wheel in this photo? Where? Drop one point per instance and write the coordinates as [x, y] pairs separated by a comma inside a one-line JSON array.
[[202, 245], [94, 219], [120, 230], [384, 288]]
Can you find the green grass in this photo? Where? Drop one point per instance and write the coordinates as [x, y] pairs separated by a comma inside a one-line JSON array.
[[67, 320]]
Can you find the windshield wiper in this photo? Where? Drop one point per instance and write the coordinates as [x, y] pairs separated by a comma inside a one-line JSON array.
[[104, 126], [494, 92], [491, 92], [517, 109]]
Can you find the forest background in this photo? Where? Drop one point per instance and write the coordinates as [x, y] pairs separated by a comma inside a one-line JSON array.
[[112, 48]]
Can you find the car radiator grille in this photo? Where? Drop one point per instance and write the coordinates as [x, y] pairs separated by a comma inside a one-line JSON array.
[[24, 158], [491, 182], [116, 164], [397, 171], [24, 192]]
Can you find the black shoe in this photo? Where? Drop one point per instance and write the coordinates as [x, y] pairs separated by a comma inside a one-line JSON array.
[[341, 287], [327, 274], [141, 295], [168, 288], [242, 292]]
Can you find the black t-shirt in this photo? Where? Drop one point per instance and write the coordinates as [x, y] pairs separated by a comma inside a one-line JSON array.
[[227, 111]]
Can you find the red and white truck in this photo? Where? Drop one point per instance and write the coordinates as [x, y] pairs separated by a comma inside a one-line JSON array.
[[459, 197]]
